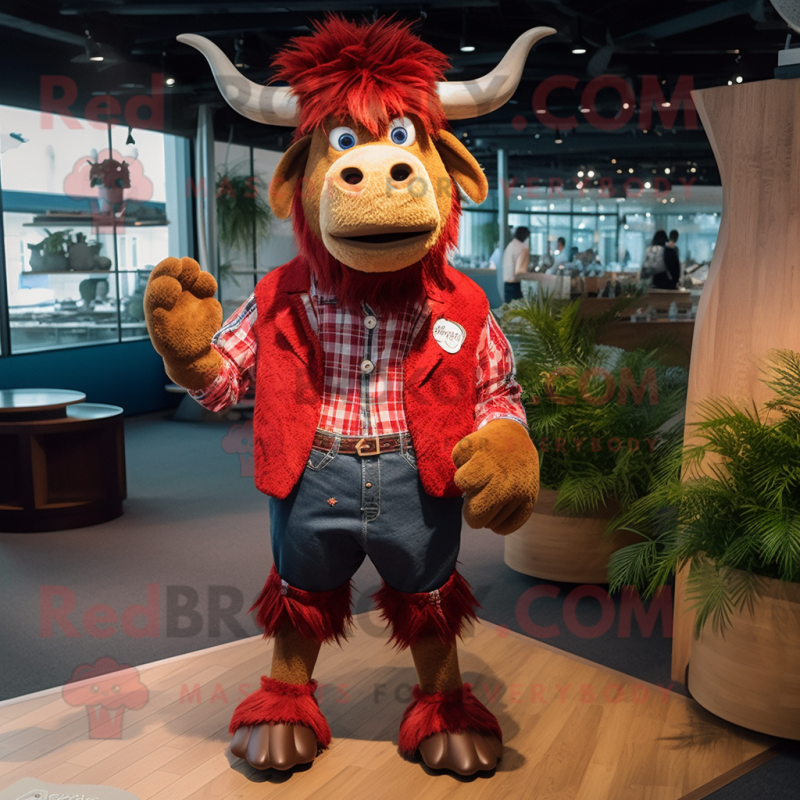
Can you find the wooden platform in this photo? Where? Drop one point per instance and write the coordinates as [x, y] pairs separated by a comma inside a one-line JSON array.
[[573, 730]]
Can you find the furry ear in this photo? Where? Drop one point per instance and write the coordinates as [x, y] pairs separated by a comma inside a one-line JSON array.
[[462, 166], [290, 169]]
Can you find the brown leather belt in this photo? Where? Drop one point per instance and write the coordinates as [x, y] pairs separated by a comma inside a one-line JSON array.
[[360, 446]]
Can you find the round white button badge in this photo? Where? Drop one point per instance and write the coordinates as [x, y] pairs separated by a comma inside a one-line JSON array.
[[370, 322], [367, 366]]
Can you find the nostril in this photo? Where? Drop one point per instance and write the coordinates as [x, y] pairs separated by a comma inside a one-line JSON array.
[[352, 176], [400, 172]]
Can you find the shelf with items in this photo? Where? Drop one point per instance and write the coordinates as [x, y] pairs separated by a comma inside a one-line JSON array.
[[76, 287]]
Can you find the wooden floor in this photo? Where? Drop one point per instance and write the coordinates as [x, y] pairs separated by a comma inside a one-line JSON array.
[[573, 729]]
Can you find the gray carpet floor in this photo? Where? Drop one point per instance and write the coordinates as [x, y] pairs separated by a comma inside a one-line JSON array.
[[193, 543]]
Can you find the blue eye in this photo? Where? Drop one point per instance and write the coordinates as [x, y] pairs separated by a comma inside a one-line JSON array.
[[342, 138], [402, 132]]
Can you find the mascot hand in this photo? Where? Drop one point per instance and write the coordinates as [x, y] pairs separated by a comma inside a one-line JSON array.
[[182, 316], [498, 470]]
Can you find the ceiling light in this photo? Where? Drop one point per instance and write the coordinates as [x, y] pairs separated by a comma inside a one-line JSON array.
[[559, 139], [467, 48], [730, 83], [693, 169], [667, 170], [619, 172], [626, 227], [626, 106], [738, 79], [170, 81], [519, 197], [578, 51], [648, 185], [613, 160], [672, 199], [647, 214], [630, 169], [580, 173], [590, 173], [666, 104], [602, 218]]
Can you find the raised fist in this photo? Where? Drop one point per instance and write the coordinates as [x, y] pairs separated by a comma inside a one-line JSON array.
[[182, 316]]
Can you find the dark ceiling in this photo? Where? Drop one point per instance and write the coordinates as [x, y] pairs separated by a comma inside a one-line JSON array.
[[685, 44]]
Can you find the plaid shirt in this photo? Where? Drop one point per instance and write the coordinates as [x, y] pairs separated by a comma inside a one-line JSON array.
[[364, 353]]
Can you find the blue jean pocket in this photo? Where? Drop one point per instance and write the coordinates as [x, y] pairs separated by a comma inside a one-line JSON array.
[[410, 457], [319, 459]]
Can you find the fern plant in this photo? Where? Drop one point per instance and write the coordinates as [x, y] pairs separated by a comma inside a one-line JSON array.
[[600, 416], [735, 516], [243, 215]]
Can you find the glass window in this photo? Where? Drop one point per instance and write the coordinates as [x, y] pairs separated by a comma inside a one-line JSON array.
[[86, 218]]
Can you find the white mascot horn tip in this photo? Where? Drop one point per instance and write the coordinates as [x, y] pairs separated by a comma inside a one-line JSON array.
[[272, 105], [467, 99]]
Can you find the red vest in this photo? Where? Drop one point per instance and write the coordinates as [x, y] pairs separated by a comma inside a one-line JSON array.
[[439, 388]]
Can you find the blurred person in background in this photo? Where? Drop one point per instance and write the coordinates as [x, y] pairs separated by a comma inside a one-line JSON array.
[[515, 264]]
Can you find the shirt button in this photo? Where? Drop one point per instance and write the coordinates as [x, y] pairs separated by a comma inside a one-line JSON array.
[[367, 366], [370, 322], [368, 485]]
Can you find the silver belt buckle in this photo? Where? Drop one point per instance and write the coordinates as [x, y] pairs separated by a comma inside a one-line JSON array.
[[363, 444]]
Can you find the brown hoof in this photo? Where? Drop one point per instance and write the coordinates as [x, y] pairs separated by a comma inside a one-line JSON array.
[[465, 753], [274, 745]]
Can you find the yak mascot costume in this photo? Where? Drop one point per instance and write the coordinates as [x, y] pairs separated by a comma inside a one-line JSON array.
[[386, 401]]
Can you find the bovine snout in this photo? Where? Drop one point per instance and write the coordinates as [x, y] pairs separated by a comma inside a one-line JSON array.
[[378, 208]]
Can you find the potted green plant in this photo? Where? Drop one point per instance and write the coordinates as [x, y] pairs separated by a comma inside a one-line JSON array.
[[243, 215], [110, 177], [728, 510], [50, 255], [598, 416]]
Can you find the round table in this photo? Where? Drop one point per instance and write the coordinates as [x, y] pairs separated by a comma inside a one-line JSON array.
[[62, 461]]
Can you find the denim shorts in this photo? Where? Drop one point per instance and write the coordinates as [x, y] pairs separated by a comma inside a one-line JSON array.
[[346, 507]]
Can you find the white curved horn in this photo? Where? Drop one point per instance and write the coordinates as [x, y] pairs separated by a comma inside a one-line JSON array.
[[272, 105], [467, 99]]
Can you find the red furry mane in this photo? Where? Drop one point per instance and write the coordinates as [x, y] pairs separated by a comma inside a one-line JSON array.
[[372, 72], [385, 290]]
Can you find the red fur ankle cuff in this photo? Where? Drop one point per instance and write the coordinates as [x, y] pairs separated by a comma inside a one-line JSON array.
[[289, 703], [321, 616], [444, 712], [441, 612]]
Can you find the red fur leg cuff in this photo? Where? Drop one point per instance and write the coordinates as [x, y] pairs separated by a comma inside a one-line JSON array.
[[289, 703], [445, 712], [441, 612], [321, 616]]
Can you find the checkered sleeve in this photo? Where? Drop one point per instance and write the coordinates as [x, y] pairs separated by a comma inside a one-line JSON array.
[[235, 341], [499, 394]]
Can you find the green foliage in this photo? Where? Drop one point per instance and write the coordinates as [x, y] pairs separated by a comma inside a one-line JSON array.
[[243, 215], [599, 416], [56, 242], [735, 516]]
